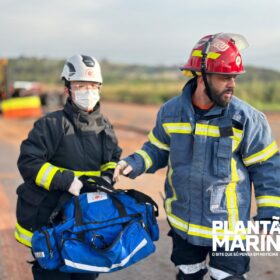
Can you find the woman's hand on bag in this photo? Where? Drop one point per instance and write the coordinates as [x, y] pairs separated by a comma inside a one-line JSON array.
[[75, 187], [123, 168]]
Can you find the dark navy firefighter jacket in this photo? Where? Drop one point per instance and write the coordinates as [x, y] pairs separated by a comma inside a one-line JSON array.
[[62, 144], [212, 163]]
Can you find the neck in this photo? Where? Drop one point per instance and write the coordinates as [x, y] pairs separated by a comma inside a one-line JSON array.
[[201, 100]]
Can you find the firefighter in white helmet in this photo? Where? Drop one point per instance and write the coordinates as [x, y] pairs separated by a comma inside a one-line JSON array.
[[61, 147]]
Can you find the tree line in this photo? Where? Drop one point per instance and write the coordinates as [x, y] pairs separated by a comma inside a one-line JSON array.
[[148, 84]]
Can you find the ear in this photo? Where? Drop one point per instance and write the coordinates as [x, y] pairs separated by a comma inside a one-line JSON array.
[[66, 91]]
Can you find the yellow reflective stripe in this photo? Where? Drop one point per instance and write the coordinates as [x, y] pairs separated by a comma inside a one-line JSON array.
[[81, 173], [157, 143], [45, 175], [23, 236], [262, 155], [211, 55], [148, 161], [21, 103], [169, 201], [236, 138], [86, 173], [184, 128], [200, 231], [231, 197], [268, 201], [108, 165], [207, 130]]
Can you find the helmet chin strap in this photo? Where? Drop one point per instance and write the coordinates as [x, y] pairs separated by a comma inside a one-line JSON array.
[[203, 66]]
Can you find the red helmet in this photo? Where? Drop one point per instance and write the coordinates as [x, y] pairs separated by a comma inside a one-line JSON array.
[[218, 53]]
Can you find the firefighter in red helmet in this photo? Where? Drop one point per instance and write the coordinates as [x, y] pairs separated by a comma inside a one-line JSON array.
[[215, 145]]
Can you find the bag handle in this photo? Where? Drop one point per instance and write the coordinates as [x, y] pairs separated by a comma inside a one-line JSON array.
[[143, 198], [90, 184]]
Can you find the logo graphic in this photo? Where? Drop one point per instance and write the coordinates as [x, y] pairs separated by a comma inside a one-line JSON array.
[[89, 73], [238, 60], [96, 196], [259, 238], [220, 45]]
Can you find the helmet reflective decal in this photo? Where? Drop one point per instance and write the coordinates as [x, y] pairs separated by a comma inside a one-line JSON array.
[[88, 61], [72, 70]]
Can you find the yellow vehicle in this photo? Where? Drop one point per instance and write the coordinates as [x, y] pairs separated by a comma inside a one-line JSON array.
[[22, 100]]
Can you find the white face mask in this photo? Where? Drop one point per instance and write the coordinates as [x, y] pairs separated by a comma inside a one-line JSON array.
[[86, 99]]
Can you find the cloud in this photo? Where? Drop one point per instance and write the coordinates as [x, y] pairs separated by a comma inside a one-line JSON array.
[[153, 32]]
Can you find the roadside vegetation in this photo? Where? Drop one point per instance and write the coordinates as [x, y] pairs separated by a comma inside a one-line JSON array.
[[148, 84]]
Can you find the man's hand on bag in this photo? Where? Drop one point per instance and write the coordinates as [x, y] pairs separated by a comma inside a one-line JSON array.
[[75, 187], [123, 168]]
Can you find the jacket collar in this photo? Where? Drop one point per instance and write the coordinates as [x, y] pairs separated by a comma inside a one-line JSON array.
[[83, 119]]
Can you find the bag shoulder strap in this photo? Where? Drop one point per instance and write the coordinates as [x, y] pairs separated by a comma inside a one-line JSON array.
[[142, 198]]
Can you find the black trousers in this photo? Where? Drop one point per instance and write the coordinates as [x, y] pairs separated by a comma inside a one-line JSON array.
[[43, 274], [184, 253]]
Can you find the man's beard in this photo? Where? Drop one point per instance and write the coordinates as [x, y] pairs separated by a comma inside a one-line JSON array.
[[219, 97]]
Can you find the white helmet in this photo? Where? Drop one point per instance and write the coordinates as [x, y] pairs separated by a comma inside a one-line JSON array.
[[82, 68]]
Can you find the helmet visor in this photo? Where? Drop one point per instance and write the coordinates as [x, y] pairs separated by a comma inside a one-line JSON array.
[[221, 41]]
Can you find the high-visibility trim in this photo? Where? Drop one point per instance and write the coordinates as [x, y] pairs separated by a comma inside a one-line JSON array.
[[218, 274], [207, 130], [108, 165], [81, 173], [147, 159], [211, 55], [204, 130], [87, 267], [193, 229], [169, 201], [45, 175], [47, 172], [268, 201], [192, 268], [236, 138], [262, 155], [86, 173], [23, 236], [184, 128], [231, 197], [157, 143], [200, 231]]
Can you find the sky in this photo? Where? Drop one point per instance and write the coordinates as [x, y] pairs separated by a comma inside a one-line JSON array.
[[148, 32]]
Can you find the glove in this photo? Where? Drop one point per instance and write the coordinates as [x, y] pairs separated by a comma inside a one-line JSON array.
[[122, 168], [75, 187]]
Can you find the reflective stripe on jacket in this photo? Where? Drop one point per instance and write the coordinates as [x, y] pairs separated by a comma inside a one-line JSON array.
[[61, 145], [211, 164]]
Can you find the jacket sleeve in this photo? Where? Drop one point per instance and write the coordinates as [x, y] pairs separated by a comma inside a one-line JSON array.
[[35, 155], [262, 159], [154, 153], [111, 153]]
